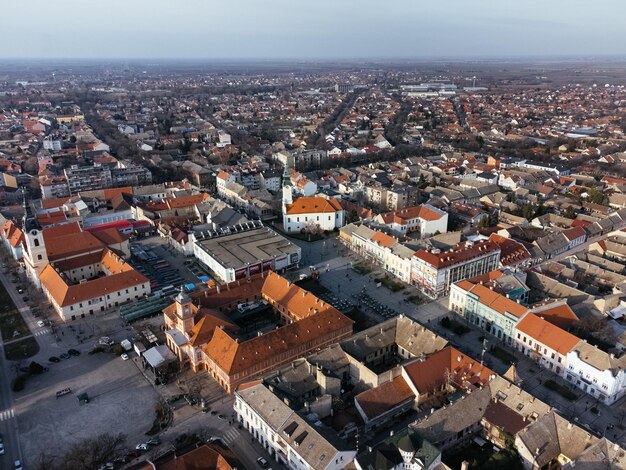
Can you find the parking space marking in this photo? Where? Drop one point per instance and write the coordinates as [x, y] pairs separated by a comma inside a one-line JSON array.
[[7, 414]]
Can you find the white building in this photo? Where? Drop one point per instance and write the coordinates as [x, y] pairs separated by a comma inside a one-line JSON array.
[[313, 212], [434, 270], [425, 220], [596, 372], [288, 438]]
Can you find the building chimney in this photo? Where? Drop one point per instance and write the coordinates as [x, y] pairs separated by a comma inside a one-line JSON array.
[[465, 465]]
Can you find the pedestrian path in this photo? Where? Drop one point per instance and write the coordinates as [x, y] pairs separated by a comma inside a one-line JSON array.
[[231, 436], [5, 415], [42, 332]]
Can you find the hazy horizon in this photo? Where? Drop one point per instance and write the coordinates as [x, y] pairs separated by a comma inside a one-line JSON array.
[[322, 30]]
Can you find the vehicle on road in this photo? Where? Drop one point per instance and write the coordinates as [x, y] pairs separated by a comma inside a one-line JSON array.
[[73, 352], [155, 441], [1, 448], [41, 323], [262, 462], [142, 446], [65, 391], [222, 417], [18, 465], [124, 357], [54, 359], [105, 341], [64, 356], [20, 290]]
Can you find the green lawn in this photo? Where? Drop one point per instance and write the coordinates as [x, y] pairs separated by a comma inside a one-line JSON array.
[[22, 349], [11, 322], [393, 286], [12, 325], [503, 355], [560, 389], [362, 269]]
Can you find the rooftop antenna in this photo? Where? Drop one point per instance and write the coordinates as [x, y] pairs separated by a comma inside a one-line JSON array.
[[474, 81]]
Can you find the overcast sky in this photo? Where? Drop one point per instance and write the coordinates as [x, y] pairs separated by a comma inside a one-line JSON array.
[[317, 29]]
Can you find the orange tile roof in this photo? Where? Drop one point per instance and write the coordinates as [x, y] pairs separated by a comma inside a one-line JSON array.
[[55, 202], [498, 302], [313, 205], [233, 357], [13, 234], [65, 294], [298, 302], [544, 332], [383, 239], [203, 330], [110, 236], [430, 374], [110, 193], [187, 201], [560, 315], [200, 458], [381, 399], [60, 230], [511, 251], [51, 218]]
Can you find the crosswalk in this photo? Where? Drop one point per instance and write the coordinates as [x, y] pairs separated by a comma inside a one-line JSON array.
[[42, 332], [7, 414], [231, 436]]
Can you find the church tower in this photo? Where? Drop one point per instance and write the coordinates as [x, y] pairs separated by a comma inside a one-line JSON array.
[[35, 256], [184, 312], [287, 188]]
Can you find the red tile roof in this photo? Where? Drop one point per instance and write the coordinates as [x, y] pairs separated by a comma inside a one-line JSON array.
[[383, 398], [458, 254]]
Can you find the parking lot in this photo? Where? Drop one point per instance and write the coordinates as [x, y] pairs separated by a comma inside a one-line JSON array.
[[166, 268], [120, 400]]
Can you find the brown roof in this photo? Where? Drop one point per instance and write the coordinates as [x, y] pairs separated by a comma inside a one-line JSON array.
[[203, 330], [498, 302], [110, 193], [312, 205], [110, 236], [383, 398], [413, 212], [500, 415], [430, 374], [72, 245], [60, 230], [547, 334]]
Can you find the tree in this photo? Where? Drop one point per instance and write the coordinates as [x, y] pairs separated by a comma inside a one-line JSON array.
[[89, 454], [483, 222], [352, 217], [570, 213], [596, 196]]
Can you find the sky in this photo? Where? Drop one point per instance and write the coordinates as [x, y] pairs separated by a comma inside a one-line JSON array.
[[304, 29]]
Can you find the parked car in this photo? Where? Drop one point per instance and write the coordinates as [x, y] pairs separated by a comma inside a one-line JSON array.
[[18, 465], [41, 323], [54, 359], [1, 448], [262, 462], [155, 441], [124, 357], [64, 356], [142, 446], [73, 352]]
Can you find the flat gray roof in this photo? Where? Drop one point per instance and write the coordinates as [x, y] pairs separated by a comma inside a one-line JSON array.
[[237, 249]]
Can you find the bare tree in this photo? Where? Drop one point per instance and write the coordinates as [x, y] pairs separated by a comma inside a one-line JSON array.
[[92, 453]]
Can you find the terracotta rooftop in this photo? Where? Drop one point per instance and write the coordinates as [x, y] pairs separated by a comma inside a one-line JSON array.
[[312, 205], [459, 254], [378, 400], [544, 332]]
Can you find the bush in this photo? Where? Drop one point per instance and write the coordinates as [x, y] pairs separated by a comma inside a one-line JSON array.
[[564, 392], [35, 368], [117, 349], [18, 383], [96, 350]]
